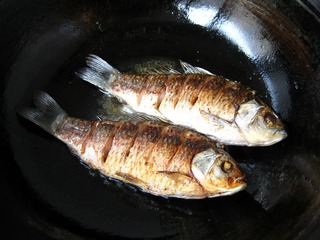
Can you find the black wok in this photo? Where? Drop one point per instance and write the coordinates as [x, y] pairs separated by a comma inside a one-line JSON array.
[[270, 46]]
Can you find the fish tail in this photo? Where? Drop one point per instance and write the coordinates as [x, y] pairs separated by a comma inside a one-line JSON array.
[[47, 113], [99, 72]]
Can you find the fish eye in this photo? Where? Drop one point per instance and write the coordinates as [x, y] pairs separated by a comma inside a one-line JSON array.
[[227, 167], [270, 119]]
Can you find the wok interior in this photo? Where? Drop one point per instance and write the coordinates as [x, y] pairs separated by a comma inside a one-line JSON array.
[[251, 42]]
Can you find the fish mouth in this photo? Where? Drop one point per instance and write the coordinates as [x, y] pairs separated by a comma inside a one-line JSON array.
[[278, 136], [231, 191], [238, 182], [281, 133], [241, 180]]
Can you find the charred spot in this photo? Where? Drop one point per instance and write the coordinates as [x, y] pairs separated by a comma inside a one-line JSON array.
[[195, 80], [122, 83], [197, 144], [216, 83], [172, 140], [127, 127], [169, 130], [134, 83], [172, 131], [233, 91], [151, 133], [105, 126], [155, 84], [178, 78], [102, 130]]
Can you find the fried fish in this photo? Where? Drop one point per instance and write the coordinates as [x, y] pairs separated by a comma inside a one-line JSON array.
[[160, 159], [224, 110]]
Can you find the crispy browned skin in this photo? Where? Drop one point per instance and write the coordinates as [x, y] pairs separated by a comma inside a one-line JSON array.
[[219, 96], [161, 159], [155, 157], [223, 110]]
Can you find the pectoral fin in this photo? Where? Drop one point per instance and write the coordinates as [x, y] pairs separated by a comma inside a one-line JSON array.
[[130, 179], [178, 177], [214, 119], [140, 117], [181, 185]]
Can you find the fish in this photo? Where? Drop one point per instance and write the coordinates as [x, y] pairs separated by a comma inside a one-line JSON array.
[[223, 110], [160, 159]]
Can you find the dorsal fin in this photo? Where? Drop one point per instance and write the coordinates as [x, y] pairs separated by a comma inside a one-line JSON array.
[[189, 69], [163, 70], [186, 69]]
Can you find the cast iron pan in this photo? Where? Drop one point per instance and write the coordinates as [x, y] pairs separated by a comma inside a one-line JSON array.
[[270, 46]]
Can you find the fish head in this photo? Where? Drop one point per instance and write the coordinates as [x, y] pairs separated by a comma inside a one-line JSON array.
[[258, 124], [217, 172]]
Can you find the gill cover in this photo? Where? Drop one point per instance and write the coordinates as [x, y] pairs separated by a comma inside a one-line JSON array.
[[203, 161], [217, 173], [247, 112]]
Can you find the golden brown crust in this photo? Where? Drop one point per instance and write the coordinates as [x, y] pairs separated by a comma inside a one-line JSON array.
[[221, 97], [75, 131], [174, 86], [155, 157], [210, 93], [132, 83], [155, 84], [192, 88]]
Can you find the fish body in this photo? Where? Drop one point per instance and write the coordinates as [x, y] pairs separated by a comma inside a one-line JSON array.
[[222, 109], [160, 159]]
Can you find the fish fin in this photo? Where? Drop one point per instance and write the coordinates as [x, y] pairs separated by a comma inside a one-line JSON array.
[[99, 72], [139, 116], [186, 69], [189, 69], [131, 179], [47, 113], [177, 176], [163, 70], [215, 120], [204, 160]]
